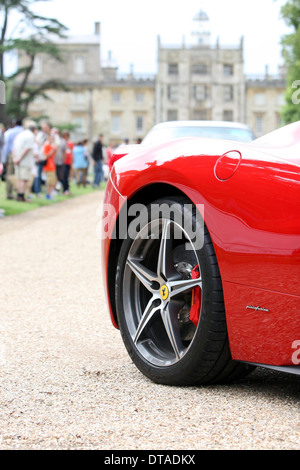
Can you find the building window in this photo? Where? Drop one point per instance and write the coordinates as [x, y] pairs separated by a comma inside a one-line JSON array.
[[116, 124], [259, 125], [116, 97], [37, 66], [173, 93], [39, 100], [200, 69], [260, 99], [200, 92], [173, 69], [140, 97], [79, 124], [228, 115], [79, 65], [139, 124], [280, 99], [200, 114], [172, 115], [79, 98], [228, 93], [228, 70]]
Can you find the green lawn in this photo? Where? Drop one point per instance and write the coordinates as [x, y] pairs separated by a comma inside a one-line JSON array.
[[13, 207]]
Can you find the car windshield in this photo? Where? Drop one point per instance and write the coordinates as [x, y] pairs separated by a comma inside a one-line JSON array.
[[160, 135]]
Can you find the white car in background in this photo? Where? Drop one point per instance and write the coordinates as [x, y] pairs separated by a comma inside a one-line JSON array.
[[209, 129], [171, 130]]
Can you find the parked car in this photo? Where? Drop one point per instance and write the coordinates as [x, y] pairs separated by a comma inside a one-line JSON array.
[[211, 129], [171, 130], [201, 256]]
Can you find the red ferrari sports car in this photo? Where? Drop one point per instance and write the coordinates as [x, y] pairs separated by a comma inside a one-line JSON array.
[[201, 256]]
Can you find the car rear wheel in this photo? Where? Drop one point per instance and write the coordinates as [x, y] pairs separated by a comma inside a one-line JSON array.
[[169, 298]]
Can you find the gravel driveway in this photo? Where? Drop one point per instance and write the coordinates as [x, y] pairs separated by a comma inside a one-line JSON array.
[[66, 380]]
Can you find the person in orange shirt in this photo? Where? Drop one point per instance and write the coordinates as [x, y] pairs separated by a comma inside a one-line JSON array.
[[49, 151]]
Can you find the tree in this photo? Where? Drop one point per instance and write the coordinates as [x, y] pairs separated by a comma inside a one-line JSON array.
[[291, 53], [32, 35]]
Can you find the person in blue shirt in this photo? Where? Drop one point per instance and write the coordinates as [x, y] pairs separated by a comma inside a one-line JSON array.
[[80, 163], [9, 138]]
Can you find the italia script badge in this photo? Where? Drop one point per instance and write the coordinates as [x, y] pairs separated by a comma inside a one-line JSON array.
[[257, 309]]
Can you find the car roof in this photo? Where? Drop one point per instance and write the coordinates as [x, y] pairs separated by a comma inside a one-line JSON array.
[[225, 124]]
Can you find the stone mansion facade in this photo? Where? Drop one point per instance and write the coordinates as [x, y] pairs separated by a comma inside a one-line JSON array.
[[194, 81]]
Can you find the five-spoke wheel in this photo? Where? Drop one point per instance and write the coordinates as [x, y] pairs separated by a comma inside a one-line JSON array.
[[169, 299]]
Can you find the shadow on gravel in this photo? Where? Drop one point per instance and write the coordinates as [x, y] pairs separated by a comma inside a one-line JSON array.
[[270, 383], [260, 383]]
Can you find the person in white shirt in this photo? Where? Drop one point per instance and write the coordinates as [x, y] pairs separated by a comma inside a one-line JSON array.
[[23, 158]]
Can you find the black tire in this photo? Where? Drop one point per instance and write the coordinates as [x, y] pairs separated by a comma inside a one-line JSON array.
[[158, 332]]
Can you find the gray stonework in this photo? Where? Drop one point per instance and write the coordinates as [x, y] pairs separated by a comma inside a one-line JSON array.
[[200, 82], [195, 80]]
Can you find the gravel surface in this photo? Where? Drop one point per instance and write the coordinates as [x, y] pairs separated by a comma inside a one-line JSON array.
[[66, 381]]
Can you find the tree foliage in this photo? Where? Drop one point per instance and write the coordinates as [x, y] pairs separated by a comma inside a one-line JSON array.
[[31, 35], [291, 53]]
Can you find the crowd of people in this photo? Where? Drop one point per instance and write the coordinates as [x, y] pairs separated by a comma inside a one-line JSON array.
[[42, 161]]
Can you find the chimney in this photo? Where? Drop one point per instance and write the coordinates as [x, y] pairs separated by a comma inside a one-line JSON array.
[[97, 28], [267, 72], [131, 68]]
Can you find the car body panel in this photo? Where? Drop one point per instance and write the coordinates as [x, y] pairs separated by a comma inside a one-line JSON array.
[[253, 220]]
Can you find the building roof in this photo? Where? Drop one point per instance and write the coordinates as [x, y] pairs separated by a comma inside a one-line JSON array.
[[78, 39]]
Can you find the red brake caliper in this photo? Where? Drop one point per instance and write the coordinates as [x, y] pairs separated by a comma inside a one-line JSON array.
[[196, 298]]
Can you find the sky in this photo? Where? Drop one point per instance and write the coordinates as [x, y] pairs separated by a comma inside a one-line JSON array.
[[129, 28]]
